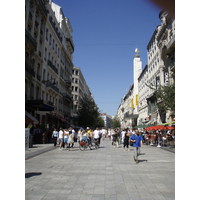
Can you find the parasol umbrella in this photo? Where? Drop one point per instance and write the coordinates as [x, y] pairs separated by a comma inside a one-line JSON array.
[[170, 127], [160, 127], [150, 128], [153, 128]]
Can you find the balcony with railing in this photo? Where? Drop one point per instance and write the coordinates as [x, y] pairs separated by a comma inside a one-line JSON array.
[[55, 28], [29, 69], [30, 39], [52, 66], [68, 83], [70, 45], [67, 97], [52, 86]]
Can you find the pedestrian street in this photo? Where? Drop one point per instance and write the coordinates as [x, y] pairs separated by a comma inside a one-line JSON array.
[[105, 173]]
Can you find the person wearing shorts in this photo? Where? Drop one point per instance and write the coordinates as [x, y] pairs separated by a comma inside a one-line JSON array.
[[61, 137], [66, 133]]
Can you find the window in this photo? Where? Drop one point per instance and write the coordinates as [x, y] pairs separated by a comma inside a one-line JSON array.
[[46, 97], [76, 89], [44, 75], [40, 46], [47, 34], [50, 39], [38, 69], [32, 91], [42, 95], [45, 53], [37, 93], [33, 64]]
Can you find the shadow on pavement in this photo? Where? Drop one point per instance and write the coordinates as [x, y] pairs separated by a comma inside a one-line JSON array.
[[28, 175], [142, 161]]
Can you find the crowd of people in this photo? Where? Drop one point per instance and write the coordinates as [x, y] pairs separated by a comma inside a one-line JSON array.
[[126, 137], [67, 137]]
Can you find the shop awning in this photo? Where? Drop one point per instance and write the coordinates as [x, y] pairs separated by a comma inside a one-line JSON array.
[[173, 122], [29, 119]]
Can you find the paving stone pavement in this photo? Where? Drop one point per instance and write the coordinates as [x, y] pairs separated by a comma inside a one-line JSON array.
[[105, 173]]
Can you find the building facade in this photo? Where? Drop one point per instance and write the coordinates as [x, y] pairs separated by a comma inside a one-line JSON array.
[[79, 89], [48, 64], [158, 71], [107, 120], [161, 61]]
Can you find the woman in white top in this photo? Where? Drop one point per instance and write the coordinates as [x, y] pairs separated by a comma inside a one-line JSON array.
[[66, 133], [80, 135], [61, 137], [70, 139]]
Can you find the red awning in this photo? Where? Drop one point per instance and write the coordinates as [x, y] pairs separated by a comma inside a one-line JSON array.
[[29, 119]]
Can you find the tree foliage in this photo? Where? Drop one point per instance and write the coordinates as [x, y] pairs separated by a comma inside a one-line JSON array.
[[165, 96], [115, 122], [88, 113]]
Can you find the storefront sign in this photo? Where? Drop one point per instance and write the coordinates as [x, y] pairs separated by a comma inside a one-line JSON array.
[[166, 77], [27, 130]]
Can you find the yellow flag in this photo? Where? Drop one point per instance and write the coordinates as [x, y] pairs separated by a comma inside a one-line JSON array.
[[136, 100], [132, 106]]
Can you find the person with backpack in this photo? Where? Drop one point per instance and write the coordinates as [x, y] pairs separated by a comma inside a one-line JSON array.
[[137, 143]]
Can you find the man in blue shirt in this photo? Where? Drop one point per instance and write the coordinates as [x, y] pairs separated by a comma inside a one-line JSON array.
[[137, 142]]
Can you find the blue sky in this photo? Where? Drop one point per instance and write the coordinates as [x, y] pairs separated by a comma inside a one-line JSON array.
[[105, 35]]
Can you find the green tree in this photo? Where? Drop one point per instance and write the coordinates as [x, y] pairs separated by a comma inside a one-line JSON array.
[[88, 112], [100, 122], [165, 96], [115, 122]]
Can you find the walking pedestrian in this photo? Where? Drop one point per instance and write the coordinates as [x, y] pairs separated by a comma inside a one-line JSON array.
[[54, 136], [126, 140], [70, 140], [115, 138], [79, 135], [103, 133], [123, 135], [109, 134], [61, 138], [66, 134], [137, 142], [96, 135]]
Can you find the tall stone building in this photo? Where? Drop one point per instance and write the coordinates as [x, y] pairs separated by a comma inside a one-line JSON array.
[[79, 89], [48, 64], [161, 61]]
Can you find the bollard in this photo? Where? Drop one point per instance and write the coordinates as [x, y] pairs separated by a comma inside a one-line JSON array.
[[43, 138]]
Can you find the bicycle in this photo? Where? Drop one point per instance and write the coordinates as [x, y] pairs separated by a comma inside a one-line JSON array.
[[84, 145]]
